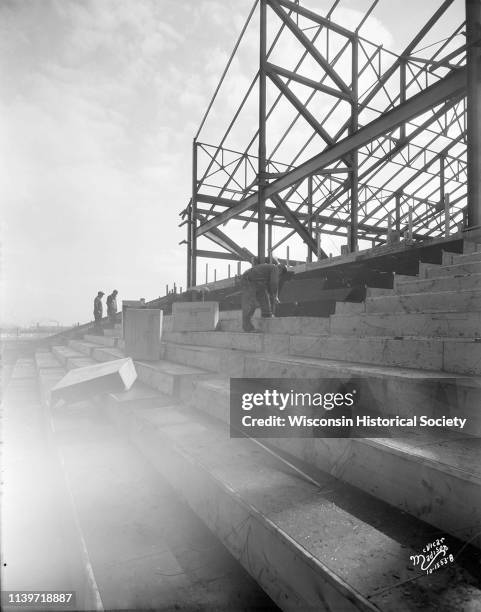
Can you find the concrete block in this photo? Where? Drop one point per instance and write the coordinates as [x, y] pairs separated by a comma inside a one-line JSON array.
[[79, 362], [448, 258], [142, 333], [82, 347], [446, 324], [81, 383], [462, 357], [102, 340], [402, 278], [212, 359], [473, 267], [408, 353], [465, 258], [195, 316], [441, 283], [446, 301], [350, 307], [45, 361], [107, 354], [377, 291], [167, 376], [64, 353]]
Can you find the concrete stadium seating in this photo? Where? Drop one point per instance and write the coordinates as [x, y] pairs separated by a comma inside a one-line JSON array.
[[338, 516]]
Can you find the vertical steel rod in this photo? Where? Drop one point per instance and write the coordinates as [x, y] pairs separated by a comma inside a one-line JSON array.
[[473, 32], [192, 281], [261, 172], [309, 215], [354, 156]]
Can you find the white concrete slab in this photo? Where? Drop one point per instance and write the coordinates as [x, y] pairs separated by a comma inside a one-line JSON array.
[[195, 316], [142, 333], [81, 383]]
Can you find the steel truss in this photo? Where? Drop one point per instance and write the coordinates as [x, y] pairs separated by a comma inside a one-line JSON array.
[[398, 138]]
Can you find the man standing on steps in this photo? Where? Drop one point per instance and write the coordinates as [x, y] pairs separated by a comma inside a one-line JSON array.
[[112, 307], [98, 311], [260, 287]]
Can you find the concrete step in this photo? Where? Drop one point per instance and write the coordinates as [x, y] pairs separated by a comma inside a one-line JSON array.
[[167, 377], [257, 342], [83, 347], [435, 271], [311, 543], [442, 301], [113, 333], [350, 307], [80, 362], [101, 340], [468, 282], [46, 361], [64, 353], [445, 324], [278, 325], [226, 351], [107, 354], [414, 466], [465, 258], [389, 391]]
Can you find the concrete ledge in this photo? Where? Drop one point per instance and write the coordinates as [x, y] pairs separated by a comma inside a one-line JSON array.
[[110, 341], [295, 535], [444, 301]]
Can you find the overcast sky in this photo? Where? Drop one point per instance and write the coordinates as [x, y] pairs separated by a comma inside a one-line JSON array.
[[100, 101]]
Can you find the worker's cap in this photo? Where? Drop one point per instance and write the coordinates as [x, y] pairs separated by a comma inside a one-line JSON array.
[[100, 293], [115, 291]]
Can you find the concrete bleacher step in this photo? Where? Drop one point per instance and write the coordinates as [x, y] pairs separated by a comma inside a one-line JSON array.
[[449, 324], [469, 282], [280, 325], [443, 301], [82, 346], [312, 542], [413, 466], [107, 353], [226, 351], [110, 341], [437, 271], [461, 258], [113, 333]]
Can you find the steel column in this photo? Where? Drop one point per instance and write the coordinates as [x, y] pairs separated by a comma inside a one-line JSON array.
[[473, 34], [192, 280], [309, 213], [354, 155], [261, 172]]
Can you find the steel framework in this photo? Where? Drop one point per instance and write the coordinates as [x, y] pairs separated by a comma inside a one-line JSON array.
[[398, 139]]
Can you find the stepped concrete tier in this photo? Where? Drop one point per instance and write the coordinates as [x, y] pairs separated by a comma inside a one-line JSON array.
[[83, 382], [456, 355], [104, 340], [312, 542], [455, 269], [437, 284], [441, 301], [196, 316], [414, 466], [442, 324]]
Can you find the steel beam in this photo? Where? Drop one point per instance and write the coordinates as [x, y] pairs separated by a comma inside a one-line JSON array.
[[451, 85], [219, 255], [261, 171], [293, 76], [304, 40], [294, 221], [473, 33]]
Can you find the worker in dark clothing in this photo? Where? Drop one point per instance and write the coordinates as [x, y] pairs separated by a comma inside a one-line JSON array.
[[98, 310], [112, 307], [260, 287]]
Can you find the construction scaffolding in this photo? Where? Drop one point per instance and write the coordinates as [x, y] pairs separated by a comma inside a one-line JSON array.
[[381, 145]]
